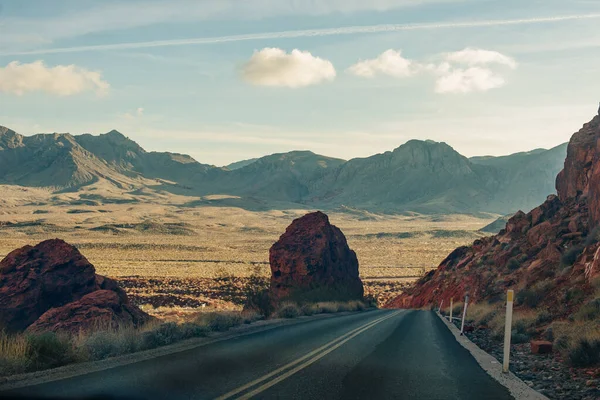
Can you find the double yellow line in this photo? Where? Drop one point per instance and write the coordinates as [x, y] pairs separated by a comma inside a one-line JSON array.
[[300, 363]]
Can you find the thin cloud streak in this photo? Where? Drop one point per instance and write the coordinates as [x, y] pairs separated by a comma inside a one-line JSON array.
[[309, 33]]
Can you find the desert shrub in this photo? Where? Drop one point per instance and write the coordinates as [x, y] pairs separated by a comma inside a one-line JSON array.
[[256, 294], [570, 256], [190, 330], [219, 321], [109, 343], [533, 296], [13, 354], [593, 237], [357, 305], [513, 264], [527, 297], [49, 350], [162, 335], [328, 307], [585, 353], [481, 313], [288, 310], [310, 309], [101, 345], [518, 338], [250, 316], [370, 301], [589, 311], [574, 295], [543, 317]]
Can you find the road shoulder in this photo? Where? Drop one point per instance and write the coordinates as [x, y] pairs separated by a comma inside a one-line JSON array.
[[518, 389]]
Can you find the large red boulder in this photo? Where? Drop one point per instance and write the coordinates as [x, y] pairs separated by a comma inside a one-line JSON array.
[[101, 309], [312, 262], [53, 274]]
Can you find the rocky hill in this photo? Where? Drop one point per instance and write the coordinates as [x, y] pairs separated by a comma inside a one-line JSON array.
[[550, 255], [419, 176]]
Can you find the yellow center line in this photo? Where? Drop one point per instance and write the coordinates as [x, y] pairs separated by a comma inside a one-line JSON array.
[[325, 349]]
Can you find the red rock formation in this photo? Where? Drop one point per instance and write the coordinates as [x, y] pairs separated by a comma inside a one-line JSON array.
[[101, 309], [533, 247], [34, 280], [312, 261]]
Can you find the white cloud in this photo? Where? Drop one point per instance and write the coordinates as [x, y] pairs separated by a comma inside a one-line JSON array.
[[465, 71], [139, 111], [275, 67], [61, 80], [473, 57], [389, 63], [474, 79]]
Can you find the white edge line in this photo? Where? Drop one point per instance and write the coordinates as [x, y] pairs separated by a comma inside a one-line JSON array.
[[519, 389]]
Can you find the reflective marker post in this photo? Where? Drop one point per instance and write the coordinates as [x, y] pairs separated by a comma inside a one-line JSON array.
[[510, 295], [462, 325], [441, 304], [451, 305]]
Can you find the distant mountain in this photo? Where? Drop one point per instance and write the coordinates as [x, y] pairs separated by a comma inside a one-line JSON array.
[[240, 164], [497, 225], [53, 160], [131, 159], [419, 176], [525, 178], [282, 177]]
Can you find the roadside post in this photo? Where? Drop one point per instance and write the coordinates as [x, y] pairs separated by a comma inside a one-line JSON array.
[[462, 325], [451, 305], [441, 304], [510, 295]]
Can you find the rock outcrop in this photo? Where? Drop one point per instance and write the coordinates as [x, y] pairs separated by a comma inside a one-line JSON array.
[[101, 309], [552, 250], [53, 285], [312, 262]]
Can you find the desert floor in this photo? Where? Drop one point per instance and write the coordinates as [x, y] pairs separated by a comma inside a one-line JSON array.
[[173, 257]]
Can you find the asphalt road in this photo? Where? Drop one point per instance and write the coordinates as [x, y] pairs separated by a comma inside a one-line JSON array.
[[382, 354]]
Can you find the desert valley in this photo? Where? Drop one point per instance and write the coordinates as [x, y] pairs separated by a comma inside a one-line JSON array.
[[184, 247]]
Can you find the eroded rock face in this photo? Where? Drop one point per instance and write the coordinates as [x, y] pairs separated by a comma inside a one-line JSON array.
[[312, 261], [101, 309], [581, 175], [50, 276], [537, 247]]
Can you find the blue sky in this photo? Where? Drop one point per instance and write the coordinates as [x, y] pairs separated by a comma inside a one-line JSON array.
[[224, 80]]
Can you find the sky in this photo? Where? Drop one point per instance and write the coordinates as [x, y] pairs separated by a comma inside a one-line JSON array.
[[226, 80]]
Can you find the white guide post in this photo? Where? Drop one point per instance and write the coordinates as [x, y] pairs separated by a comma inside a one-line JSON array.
[[451, 305], [441, 304], [462, 325], [510, 295]]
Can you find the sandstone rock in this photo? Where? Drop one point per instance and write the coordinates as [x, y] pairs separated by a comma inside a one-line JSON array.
[[49, 276], [36, 279], [533, 246], [101, 309], [312, 261], [541, 347]]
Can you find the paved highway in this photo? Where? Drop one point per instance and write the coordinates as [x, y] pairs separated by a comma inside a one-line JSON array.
[[384, 354]]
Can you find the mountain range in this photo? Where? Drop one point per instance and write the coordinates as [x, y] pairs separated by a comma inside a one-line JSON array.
[[419, 176]]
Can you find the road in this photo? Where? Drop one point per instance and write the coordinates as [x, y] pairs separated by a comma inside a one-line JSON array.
[[383, 354]]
